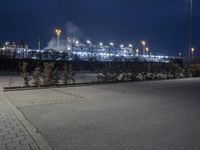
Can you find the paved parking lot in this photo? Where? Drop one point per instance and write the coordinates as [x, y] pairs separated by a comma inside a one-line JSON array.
[[140, 115], [16, 132]]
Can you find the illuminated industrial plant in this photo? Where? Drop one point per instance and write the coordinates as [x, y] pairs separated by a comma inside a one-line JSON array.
[[75, 50]]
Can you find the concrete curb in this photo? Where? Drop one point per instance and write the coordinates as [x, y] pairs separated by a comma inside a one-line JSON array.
[[37, 137], [19, 88]]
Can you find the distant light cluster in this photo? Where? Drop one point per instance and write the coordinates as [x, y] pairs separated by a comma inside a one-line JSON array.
[[85, 52]]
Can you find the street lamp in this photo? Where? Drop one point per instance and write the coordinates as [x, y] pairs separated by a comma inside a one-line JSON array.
[[192, 51], [89, 42], [130, 46], [147, 50], [144, 46], [122, 46], [190, 34], [111, 44], [100, 44], [77, 42], [90, 48], [130, 49], [58, 33], [137, 52], [39, 43]]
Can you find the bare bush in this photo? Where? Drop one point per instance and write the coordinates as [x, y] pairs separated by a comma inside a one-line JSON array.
[[68, 75], [195, 70], [37, 76], [48, 74], [24, 73]]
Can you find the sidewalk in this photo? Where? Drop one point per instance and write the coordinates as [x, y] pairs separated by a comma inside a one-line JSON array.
[[16, 133]]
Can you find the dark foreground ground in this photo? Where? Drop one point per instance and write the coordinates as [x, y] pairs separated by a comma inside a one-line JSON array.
[[156, 115]]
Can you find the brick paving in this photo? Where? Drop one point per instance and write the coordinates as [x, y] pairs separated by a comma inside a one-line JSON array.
[[24, 98], [54, 95], [16, 133], [13, 134]]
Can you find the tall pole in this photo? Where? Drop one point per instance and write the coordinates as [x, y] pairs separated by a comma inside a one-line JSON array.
[[190, 34], [39, 43], [192, 51], [109, 51], [58, 41], [144, 47], [58, 33]]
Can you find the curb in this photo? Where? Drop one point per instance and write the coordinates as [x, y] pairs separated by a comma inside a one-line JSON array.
[[19, 88]]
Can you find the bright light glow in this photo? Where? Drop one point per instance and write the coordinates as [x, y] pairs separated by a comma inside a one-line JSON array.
[[137, 50], [147, 49], [7, 43], [58, 32], [192, 49], [122, 46], [143, 43], [89, 42], [77, 42], [68, 48], [130, 45], [100, 44], [111, 44]]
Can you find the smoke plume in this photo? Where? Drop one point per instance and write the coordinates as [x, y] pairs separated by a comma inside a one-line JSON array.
[[69, 36]]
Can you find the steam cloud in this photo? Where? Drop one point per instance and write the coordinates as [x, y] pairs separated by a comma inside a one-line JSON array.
[[69, 36]]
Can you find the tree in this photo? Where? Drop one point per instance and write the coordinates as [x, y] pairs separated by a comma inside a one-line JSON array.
[[175, 70], [48, 74], [24, 74], [36, 77], [56, 77], [68, 75], [195, 70]]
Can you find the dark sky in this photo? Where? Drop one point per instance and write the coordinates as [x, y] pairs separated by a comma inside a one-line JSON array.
[[162, 23]]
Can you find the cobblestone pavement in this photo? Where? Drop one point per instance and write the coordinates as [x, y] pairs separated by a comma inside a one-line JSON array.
[[16, 133]]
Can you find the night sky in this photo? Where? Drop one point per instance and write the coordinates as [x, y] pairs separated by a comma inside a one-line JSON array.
[[162, 23]]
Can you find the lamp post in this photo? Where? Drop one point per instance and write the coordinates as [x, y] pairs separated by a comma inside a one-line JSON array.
[[192, 51], [111, 45], [58, 33], [190, 35], [137, 52], [130, 46], [144, 46], [130, 52], [90, 48], [147, 51], [39, 43], [100, 44], [77, 42], [89, 42]]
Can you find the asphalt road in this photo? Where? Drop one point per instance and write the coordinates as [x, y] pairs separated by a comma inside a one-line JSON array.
[[156, 115]]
